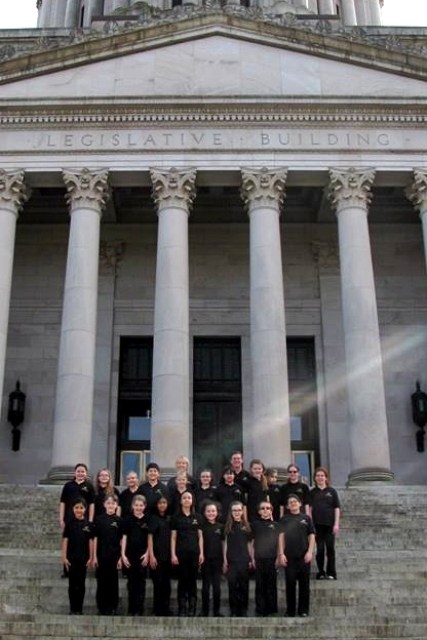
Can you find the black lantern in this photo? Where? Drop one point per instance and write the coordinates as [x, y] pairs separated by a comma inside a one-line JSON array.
[[16, 414], [419, 414]]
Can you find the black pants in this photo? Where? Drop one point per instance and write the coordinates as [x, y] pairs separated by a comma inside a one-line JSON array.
[[188, 568], [297, 572], [265, 586], [107, 586], [325, 539], [76, 585], [238, 588], [161, 577], [136, 575], [211, 576]]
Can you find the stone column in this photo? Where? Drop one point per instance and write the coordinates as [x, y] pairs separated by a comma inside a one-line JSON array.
[[118, 4], [87, 194], [327, 7], [94, 9], [13, 194], [375, 11], [348, 13], [263, 194], [173, 192], [72, 14], [369, 446], [417, 194]]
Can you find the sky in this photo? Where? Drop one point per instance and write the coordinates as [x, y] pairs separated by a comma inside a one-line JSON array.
[[23, 13]]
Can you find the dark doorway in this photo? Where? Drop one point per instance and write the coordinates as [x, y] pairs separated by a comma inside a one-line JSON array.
[[217, 402]]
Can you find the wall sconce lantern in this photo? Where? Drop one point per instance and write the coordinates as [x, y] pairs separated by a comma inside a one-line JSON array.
[[419, 415], [16, 414]]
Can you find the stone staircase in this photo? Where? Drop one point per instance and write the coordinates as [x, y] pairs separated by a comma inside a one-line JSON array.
[[380, 591]]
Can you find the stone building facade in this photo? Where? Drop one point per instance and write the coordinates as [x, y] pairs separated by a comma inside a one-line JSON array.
[[212, 237]]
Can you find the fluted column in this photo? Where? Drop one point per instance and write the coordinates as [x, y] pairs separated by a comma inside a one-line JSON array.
[[173, 192], [350, 194], [348, 13], [94, 8], [87, 194], [263, 194], [417, 194], [327, 7], [13, 194], [72, 13], [375, 10]]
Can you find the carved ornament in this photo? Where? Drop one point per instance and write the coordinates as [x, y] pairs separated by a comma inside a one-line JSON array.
[[350, 188], [86, 188], [263, 188], [416, 192], [13, 191], [173, 188]]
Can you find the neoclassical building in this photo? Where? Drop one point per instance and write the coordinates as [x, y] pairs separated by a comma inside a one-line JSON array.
[[213, 237]]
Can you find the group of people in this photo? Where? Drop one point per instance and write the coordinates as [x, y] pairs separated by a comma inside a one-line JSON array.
[[246, 524]]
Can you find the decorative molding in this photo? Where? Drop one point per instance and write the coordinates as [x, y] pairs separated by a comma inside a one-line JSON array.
[[416, 192], [13, 191], [326, 256], [350, 188], [173, 188], [263, 188], [111, 254], [86, 188]]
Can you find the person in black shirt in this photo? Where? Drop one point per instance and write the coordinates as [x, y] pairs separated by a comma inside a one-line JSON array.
[[182, 465], [295, 552], [177, 489], [187, 553], [103, 487], [256, 488], [128, 494], [152, 489], [213, 537], [159, 547], [273, 492], [106, 556], [76, 554], [205, 490], [135, 555], [266, 533], [294, 486], [238, 559], [241, 476], [227, 492], [325, 511]]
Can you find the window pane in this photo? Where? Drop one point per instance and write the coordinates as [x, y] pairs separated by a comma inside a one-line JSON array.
[[131, 461], [296, 428], [139, 428]]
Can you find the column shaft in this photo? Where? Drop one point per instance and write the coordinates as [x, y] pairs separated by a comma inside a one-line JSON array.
[[327, 7], [375, 11], [350, 193], [76, 364], [12, 196], [348, 13], [72, 14], [263, 192], [173, 192]]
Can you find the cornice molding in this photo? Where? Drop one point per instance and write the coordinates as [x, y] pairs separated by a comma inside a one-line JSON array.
[[379, 50]]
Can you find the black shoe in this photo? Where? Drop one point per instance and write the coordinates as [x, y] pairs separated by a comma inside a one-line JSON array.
[[321, 575], [329, 577]]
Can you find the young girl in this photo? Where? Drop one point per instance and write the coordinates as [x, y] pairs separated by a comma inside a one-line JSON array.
[[180, 485], [266, 534], [103, 487], [238, 556], [205, 491], [106, 557], [187, 553], [273, 492], [159, 547], [135, 555], [128, 494], [76, 554], [213, 537], [227, 492], [256, 488], [182, 465], [325, 512]]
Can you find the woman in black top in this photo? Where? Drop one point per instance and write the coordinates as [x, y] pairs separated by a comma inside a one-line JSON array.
[[135, 555], [159, 546], [106, 556], [325, 512], [187, 553], [213, 537], [238, 556], [104, 487], [76, 553]]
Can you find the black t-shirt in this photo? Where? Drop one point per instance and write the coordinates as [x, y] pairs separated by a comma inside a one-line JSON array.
[[100, 496], [297, 529], [256, 494], [136, 532], [187, 530], [191, 483], [125, 502], [175, 500], [213, 536], [78, 534], [323, 503], [72, 491], [108, 532], [273, 494], [159, 527], [266, 534], [204, 495], [225, 494], [242, 479], [152, 494], [296, 488], [237, 543]]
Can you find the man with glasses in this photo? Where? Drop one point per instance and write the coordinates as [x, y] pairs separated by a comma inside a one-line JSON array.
[[294, 486]]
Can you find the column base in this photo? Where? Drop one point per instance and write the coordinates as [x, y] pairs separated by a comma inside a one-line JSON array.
[[365, 476], [58, 475]]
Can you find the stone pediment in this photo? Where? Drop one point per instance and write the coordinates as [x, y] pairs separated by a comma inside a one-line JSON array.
[[214, 54]]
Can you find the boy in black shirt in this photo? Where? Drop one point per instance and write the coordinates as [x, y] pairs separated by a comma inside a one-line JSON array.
[[76, 553], [106, 557], [227, 492]]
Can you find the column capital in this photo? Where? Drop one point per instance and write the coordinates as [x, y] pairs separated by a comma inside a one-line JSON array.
[[86, 188], [416, 191], [173, 187], [263, 187], [350, 188], [13, 191]]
